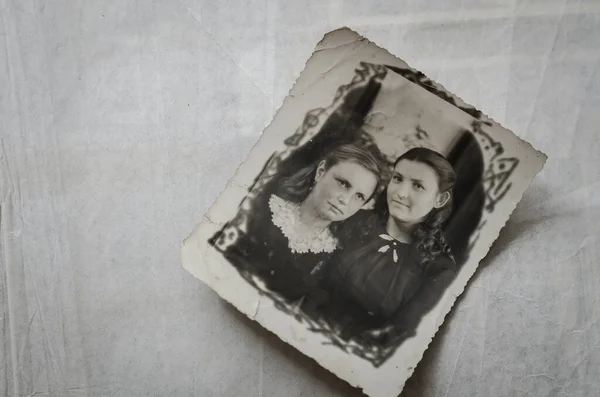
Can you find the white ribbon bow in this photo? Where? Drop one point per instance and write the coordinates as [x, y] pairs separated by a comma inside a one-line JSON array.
[[391, 244]]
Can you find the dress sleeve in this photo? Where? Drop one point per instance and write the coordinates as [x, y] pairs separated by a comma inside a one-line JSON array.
[[436, 280]]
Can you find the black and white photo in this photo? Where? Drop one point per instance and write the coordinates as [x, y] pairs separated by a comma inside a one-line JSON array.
[[362, 212]]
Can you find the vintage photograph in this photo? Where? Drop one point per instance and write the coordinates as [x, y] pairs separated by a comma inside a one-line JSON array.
[[364, 224], [361, 217]]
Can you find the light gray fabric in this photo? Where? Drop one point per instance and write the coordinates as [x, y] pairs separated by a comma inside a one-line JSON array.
[[122, 121]]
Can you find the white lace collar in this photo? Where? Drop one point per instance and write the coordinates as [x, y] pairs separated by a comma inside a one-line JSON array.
[[284, 215]]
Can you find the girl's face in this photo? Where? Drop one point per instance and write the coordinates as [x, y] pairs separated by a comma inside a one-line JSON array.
[[413, 192], [342, 190]]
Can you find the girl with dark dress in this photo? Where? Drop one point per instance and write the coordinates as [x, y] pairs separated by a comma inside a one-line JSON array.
[[292, 230], [379, 290]]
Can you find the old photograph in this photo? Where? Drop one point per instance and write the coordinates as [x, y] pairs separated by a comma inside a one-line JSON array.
[[362, 212]]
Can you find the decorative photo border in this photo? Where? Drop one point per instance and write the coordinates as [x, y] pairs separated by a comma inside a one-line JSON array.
[[496, 181], [512, 164]]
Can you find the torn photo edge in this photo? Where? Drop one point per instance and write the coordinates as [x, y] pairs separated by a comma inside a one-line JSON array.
[[335, 58]]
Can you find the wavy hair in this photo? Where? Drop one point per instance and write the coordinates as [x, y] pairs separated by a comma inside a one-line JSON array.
[[428, 234], [296, 187]]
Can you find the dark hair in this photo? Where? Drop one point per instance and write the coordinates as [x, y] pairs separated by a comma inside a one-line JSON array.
[[428, 234], [296, 187]]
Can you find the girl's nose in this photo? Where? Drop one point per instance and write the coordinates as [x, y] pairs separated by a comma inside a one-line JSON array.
[[344, 197], [402, 190]]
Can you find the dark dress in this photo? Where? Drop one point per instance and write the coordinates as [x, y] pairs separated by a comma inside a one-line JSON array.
[[372, 287], [264, 251]]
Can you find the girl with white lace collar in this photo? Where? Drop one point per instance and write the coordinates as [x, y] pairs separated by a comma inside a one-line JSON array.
[[314, 198], [291, 236]]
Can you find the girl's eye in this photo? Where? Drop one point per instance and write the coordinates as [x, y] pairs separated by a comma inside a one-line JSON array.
[[361, 196], [418, 186], [343, 183], [397, 178]]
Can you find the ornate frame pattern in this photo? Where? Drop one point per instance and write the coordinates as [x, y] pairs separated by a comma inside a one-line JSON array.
[[499, 168]]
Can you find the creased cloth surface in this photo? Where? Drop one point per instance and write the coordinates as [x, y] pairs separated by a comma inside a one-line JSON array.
[[122, 121]]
